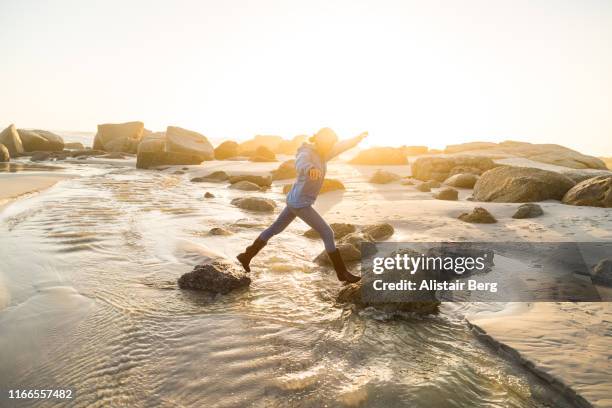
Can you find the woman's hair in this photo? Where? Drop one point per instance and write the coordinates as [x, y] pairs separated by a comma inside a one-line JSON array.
[[324, 133]]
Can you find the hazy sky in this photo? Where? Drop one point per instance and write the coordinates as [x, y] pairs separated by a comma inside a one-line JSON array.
[[409, 72]]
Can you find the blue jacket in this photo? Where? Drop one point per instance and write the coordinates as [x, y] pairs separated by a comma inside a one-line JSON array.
[[305, 191]]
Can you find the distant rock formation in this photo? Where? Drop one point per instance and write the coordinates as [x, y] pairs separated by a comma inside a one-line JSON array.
[[4, 154], [254, 204], [275, 144], [226, 150], [528, 210], [381, 156], [263, 154], [11, 140], [173, 147], [40, 140], [441, 168], [119, 137], [594, 192], [216, 277], [384, 177], [521, 185], [449, 194], [74, 146], [286, 170]]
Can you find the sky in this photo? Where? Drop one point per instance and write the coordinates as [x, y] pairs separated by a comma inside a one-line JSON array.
[[409, 72]]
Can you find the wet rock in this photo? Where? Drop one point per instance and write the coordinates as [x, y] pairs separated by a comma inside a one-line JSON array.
[[348, 252], [594, 192], [219, 231], [383, 177], [439, 168], [528, 210], [381, 156], [40, 156], [177, 172], [462, 180], [379, 232], [254, 204], [328, 185], [11, 140], [286, 170], [40, 140], [478, 216], [119, 156], [352, 294], [263, 154], [175, 146], [217, 277], [74, 146], [208, 194], [602, 272], [119, 137], [423, 187], [245, 186], [448, 193], [520, 185], [86, 153], [215, 176], [261, 181], [340, 230], [226, 150], [4, 154]]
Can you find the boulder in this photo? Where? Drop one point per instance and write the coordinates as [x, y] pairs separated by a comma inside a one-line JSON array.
[[152, 151], [381, 156], [245, 186], [11, 140], [407, 182], [214, 177], [447, 193], [248, 147], [433, 183], [261, 181], [602, 272], [86, 153], [217, 277], [352, 293], [183, 141], [462, 180], [594, 192], [581, 175], [440, 168], [423, 187], [219, 231], [4, 154], [263, 154], [290, 146], [340, 230], [464, 170], [470, 146], [286, 170], [520, 185], [379, 232], [119, 137], [478, 216], [226, 150], [383, 177], [414, 150], [208, 194], [528, 210], [40, 140], [254, 204], [328, 185], [348, 252], [74, 146]]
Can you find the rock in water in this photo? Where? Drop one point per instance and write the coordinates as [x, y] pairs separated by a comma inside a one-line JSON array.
[[74, 146], [40, 140], [173, 147], [348, 252], [286, 170], [208, 194], [602, 272], [440, 168], [594, 192], [245, 186], [423, 187], [381, 156], [328, 185], [352, 294], [215, 176], [226, 150], [217, 277], [11, 140], [340, 230], [248, 147], [261, 181], [219, 231], [528, 210], [507, 184], [183, 141], [448, 193], [478, 216], [254, 204], [263, 154], [383, 177], [119, 137], [4, 154], [462, 180], [290, 146], [379, 232]]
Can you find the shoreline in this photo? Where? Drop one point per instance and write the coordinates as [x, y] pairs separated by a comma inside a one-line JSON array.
[[17, 186]]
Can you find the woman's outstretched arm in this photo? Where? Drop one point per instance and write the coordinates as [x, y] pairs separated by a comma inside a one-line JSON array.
[[345, 145]]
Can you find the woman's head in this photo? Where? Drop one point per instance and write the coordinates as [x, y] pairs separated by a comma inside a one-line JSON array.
[[324, 140]]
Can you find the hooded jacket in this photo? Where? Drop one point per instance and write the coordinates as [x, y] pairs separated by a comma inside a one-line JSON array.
[[305, 191]]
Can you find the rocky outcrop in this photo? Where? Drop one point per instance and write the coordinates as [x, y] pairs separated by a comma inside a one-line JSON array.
[[440, 168], [340, 230], [520, 185], [470, 146], [119, 137], [348, 252], [379, 232], [286, 170], [248, 147], [384, 177], [74, 146], [581, 175], [40, 140], [219, 231], [188, 142], [261, 181], [528, 210], [602, 272], [254, 204], [350, 245], [594, 192], [290, 146], [462, 180], [245, 186], [214, 177], [263, 154], [423, 187], [414, 150], [11, 140], [328, 185], [449, 194], [381, 156], [226, 150], [352, 294], [173, 147], [216, 277], [478, 215], [4, 154]]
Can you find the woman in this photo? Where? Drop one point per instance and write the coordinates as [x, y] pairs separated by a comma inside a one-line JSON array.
[[311, 165]]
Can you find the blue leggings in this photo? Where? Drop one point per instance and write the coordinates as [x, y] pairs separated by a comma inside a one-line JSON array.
[[310, 217]]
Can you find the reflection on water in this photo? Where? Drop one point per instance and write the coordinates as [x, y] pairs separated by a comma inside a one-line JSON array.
[[14, 167], [91, 271]]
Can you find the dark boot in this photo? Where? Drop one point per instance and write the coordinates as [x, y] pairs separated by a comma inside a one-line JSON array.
[[341, 272], [250, 252]]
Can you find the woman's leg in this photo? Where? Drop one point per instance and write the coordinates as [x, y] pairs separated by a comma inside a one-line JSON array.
[[283, 220], [311, 217]]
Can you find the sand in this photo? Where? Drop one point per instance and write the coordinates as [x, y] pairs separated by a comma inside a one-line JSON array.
[[13, 186]]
